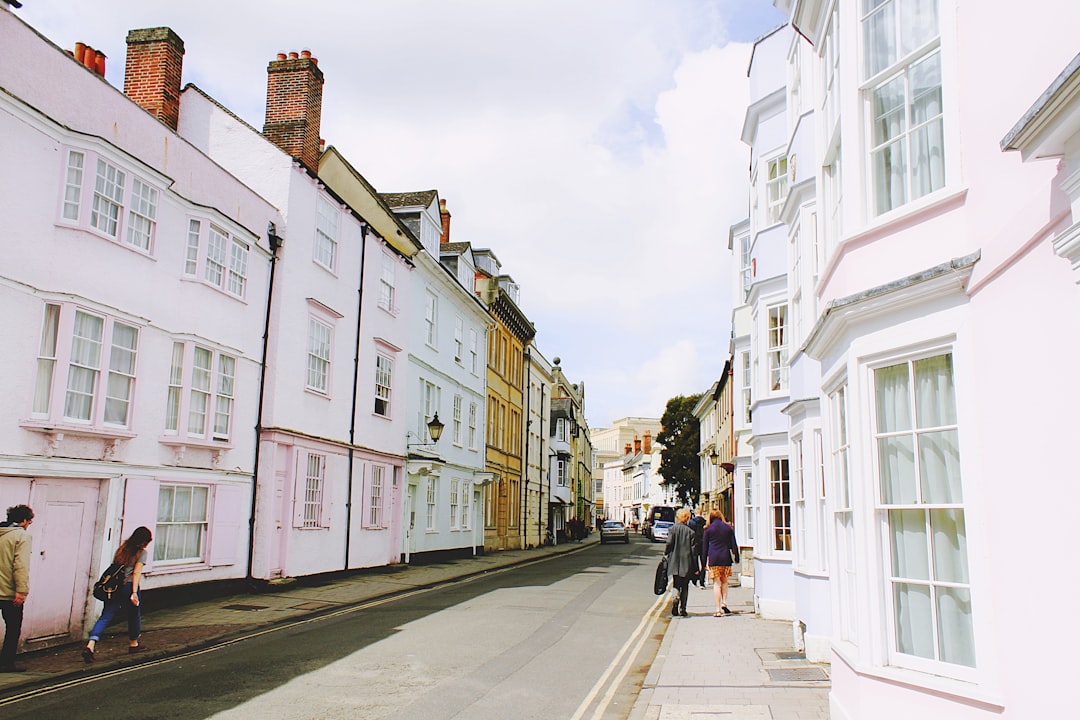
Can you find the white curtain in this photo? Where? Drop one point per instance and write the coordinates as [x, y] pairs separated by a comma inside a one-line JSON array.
[[896, 454], [914, 620], [956, 637]]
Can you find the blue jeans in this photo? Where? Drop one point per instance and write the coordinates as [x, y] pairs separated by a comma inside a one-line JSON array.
[[13, 617], [134, 615]]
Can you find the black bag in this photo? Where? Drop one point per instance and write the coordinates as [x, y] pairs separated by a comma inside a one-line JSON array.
[[110, 582], [660, 583]]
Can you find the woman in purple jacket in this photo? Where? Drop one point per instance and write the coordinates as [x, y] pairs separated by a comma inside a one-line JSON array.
[[718, 550]]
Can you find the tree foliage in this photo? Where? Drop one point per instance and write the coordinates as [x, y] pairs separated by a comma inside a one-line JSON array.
[[680, 437]]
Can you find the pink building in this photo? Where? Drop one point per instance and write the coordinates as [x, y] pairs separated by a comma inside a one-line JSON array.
[[940, 291], [133, 286]]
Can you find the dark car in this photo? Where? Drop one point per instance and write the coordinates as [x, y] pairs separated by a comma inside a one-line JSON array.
[[614, 530]]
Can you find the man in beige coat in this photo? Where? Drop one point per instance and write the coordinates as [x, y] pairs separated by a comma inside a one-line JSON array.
[[14, 580]]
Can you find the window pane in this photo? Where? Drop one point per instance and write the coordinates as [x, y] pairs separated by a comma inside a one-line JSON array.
[[46, 360], [182, 506], [198, 503], [956, 637], [896, 458], [950, 545], [914, 620], [935, 396], [893, 401], [165, 504], [939, 465], [910, 559], [920, 23], [880, 34]]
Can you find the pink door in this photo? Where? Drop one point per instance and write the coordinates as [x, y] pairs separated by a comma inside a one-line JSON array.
[[65, 513]]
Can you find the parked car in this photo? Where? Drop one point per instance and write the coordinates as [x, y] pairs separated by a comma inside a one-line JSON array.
[[661, 529], [614, 530]]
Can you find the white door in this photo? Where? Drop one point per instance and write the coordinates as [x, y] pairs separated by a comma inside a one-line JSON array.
[[65, 512]]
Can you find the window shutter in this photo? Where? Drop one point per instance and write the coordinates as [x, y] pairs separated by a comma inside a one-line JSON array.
[[329, 468], [228, 514], [140, 509], [299, 487]]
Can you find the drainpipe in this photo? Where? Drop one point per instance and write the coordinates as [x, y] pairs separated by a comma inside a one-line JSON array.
[[355, 380], [528, 423], [276, 241]]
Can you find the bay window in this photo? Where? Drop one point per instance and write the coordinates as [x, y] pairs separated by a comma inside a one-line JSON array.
[[780, 504], [843, 517], [222, 256], [89, 359], [199, 404], [902, 64], [921, 503], [777, 348]]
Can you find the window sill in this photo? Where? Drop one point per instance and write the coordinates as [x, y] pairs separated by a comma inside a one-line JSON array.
[[215, 288], [56, 431], [939, 684], [317, 393], [179, 567], [180, 445]]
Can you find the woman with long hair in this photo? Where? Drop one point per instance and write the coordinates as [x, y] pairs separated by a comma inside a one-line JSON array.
[[132, 555], [719, 549]]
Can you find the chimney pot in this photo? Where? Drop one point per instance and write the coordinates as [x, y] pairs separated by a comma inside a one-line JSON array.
[[305, 53], [648, 443], [99, 63], [294, 90], [80, 51], [89, 58]]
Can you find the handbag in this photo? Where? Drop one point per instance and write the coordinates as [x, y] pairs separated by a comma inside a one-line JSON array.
[[110, 582], [660, 582]]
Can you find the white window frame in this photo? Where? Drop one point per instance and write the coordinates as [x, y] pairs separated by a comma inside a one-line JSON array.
[[798, 498], [927, 512], [745, 259], [431, 319], [320, 350], [312, 493], [142, 216], [749, 507], [909, 52], [844, 517], [459, 340], [387, 284], [455, 499], [466, 490], [215, 257], [779, 505], [106, 361], [177, 527], [376, 496], [327, 224], [473, 434], [747, 385], [384, 384], [457, 425], [776, 185], [214, 382], [473, 352], [776, 347], [430, 403], [432, 503]]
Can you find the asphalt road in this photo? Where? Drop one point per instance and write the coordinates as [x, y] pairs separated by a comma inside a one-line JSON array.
[[567, 637]]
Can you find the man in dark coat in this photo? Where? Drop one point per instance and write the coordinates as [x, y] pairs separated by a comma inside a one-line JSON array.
[[697, 524], [682, 551]]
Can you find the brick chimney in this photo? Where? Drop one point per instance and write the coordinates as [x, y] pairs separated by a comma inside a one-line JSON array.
[[648, 443], [445, 214], [155, 57], [628, 448], [637, 444], [294, 88]]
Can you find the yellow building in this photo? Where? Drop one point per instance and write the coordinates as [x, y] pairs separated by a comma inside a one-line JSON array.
[[504, 528]]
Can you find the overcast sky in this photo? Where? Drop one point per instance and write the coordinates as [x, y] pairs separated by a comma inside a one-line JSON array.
[[593, 145]]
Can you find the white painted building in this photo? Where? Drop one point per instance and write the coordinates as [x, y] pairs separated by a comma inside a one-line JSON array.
[[134, 288], [445, 480], [538, 454], [766, 132], [329, 492], [936, 261]]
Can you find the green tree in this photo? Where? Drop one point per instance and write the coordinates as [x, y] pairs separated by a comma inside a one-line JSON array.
[[679, 436]]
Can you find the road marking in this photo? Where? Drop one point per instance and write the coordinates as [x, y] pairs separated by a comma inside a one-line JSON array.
[[40, 692], [624, 659]]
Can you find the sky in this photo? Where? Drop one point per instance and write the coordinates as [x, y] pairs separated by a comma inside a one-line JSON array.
[[593, 145]]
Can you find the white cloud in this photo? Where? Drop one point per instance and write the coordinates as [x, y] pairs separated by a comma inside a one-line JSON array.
[[593, 146]]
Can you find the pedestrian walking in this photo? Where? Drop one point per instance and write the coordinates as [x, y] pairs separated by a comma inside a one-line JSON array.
[[14, 580], [719, 550], [697, 524], [132, 555], [682, 551]]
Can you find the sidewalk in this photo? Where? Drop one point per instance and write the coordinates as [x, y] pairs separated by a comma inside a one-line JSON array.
[[738, 667], [173, 630]]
